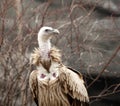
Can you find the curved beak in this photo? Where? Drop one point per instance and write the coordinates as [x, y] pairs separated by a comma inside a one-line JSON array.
[[55, 31], [51, 33]]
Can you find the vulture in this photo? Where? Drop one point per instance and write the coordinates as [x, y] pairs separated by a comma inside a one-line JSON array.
[[52, 83]]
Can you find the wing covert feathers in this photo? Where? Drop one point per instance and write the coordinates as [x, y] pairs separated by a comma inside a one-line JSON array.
[[74, 85], [34, 85]]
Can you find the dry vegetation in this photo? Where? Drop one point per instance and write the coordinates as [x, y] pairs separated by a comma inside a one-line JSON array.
[[87, 44]]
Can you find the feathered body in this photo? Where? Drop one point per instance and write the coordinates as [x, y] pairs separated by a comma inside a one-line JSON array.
[[66, 89], [53, 84]]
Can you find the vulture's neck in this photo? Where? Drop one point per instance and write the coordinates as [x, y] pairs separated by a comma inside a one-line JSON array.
[[45, 47]]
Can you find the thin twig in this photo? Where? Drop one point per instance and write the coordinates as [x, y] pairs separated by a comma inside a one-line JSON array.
[[106, 65]]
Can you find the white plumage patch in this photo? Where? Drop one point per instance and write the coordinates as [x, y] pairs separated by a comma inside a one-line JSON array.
[[44, 75]]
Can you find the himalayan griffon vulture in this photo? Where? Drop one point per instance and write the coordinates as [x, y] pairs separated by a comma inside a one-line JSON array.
[[52, 83]]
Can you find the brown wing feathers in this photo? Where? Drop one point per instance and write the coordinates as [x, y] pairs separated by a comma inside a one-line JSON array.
[[34, 86], [74, 85]]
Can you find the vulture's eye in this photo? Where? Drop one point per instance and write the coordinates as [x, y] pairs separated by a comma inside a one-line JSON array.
[[46, 30]]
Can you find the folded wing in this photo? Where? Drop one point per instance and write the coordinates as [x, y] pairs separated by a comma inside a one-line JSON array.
[[74, 87], [34, 86]]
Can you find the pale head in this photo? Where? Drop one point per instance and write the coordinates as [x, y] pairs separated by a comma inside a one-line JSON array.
[[44, 36], [46, 33]]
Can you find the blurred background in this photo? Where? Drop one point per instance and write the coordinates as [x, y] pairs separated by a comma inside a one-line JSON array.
[[89, 41]]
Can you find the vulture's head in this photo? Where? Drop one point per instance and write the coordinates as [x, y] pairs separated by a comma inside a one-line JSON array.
[[46, 33], [44, 36]]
